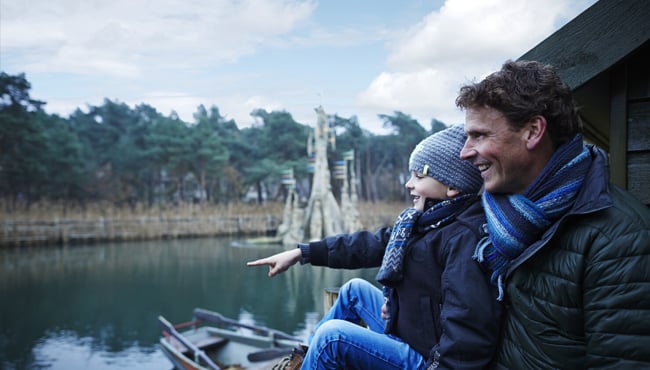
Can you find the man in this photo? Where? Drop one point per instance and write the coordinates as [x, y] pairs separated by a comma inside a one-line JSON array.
[[569, 251]]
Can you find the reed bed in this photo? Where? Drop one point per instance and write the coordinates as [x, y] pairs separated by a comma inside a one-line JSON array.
[[51, 223], [45, 211]]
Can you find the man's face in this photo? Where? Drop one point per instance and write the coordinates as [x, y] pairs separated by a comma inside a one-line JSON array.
[[497, 150]]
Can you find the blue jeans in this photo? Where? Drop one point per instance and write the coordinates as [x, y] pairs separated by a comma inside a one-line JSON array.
[[339, 342]]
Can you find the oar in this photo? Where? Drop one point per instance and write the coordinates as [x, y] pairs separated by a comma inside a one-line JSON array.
[[268, 354], [214, 317]]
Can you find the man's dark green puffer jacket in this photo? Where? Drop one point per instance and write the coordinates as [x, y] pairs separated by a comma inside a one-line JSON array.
[[580, 297]]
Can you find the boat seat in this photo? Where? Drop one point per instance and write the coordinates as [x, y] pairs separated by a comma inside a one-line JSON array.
[[211, 341], [207, 342]]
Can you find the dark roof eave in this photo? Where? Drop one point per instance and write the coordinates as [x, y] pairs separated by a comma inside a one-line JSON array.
[[595, 40]]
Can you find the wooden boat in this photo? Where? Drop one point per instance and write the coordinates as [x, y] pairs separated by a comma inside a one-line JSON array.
[[211, 341]]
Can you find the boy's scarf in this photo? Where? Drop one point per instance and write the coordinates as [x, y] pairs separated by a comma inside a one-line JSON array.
[[441, 213], [515, 221]]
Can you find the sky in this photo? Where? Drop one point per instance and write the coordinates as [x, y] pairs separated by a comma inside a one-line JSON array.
[[360, 58]]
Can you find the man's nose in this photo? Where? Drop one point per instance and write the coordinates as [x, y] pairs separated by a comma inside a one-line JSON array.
[[467, 152]]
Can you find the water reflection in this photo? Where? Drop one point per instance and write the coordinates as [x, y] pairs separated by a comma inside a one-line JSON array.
[[65, 350], [95, 307]]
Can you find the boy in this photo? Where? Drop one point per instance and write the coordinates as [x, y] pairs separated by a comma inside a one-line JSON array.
[[437, 309]]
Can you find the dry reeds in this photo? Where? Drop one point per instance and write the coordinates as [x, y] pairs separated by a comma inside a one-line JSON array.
[[45, 211], [51, 223]]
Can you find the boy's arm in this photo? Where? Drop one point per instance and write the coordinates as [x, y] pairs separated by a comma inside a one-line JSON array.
[[351, 251]]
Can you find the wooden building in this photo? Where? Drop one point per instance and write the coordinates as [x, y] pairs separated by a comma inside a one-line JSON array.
[[604, 56]]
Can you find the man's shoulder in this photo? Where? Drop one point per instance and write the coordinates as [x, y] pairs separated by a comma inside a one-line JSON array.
[[624, 220], [608, 204], [626, 214], [627, 206]]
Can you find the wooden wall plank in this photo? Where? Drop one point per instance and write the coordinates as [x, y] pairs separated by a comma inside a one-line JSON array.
[[618, 127], [638, 123], [638, 175]]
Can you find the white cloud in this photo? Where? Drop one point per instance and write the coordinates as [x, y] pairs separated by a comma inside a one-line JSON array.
[[124, 37], [464, 40], [165, 102], [415, 93], [464, 31], [236, 107]]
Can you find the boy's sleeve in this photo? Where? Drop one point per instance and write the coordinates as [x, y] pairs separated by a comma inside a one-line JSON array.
[[350, 251]]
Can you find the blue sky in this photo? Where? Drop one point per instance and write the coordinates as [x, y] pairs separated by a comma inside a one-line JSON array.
[[362, 58]]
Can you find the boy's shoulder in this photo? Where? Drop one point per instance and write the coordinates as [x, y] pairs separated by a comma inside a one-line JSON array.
[[470, 221]]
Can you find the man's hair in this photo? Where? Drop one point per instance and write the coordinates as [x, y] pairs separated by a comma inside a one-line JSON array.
[[523, 89]]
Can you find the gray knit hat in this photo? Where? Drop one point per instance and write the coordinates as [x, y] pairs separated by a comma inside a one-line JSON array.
[[438, 156]]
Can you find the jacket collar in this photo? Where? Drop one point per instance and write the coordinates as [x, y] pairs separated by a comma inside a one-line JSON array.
[[594, 196]]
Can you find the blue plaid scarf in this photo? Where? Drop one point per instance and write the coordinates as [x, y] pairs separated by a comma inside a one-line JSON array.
[[515, 221], [435, 216]]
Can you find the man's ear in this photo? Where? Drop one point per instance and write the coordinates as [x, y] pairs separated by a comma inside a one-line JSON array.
[[534, 131], [452, 192]]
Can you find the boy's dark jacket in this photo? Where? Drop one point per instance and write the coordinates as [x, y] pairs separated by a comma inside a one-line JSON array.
[[446, 309]]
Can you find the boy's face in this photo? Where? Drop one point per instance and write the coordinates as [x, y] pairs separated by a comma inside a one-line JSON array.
[[422, 187]]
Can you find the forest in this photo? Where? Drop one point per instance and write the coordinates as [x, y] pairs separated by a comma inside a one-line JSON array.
[[135, 155]]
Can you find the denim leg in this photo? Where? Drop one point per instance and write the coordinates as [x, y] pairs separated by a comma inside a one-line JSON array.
[[340, 344], [357, 300]]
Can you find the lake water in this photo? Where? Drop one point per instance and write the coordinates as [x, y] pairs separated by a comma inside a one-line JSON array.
[[96, 306]]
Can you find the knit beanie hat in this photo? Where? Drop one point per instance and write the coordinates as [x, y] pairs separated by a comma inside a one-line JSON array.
[[438, 156]]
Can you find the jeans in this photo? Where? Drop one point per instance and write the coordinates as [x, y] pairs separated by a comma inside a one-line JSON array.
[[339, 342]]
